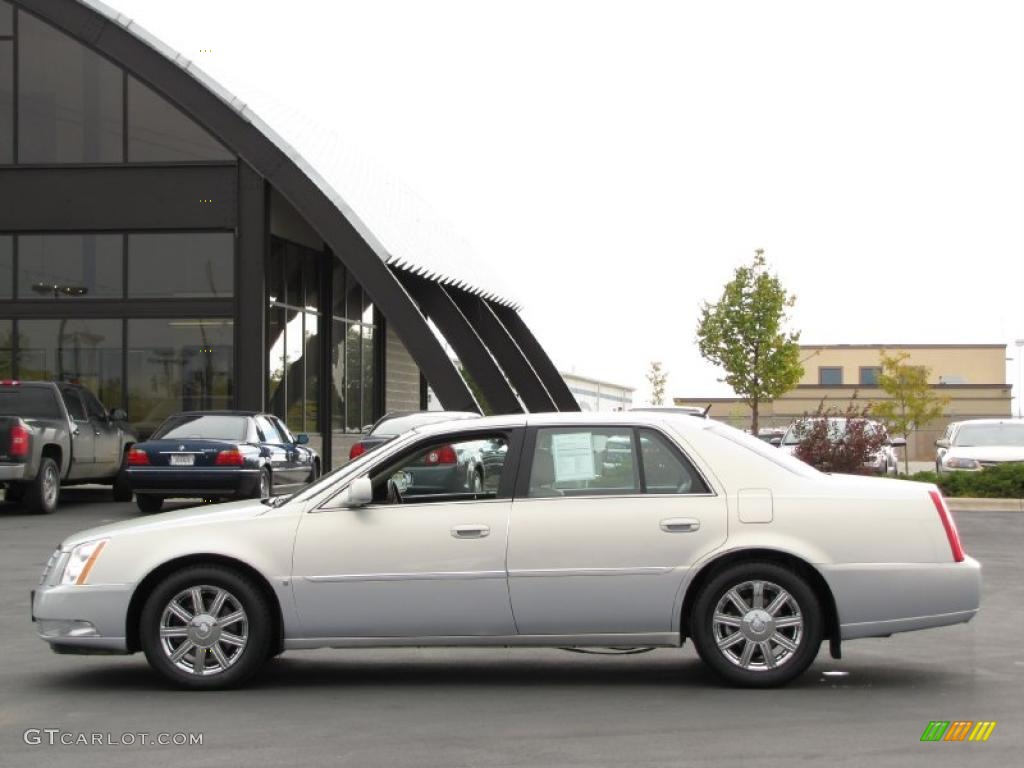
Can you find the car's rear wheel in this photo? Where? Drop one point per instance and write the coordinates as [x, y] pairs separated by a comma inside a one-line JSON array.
[[42, 494], [757, 624], [122, 485], [149, 502], [265, 486], [206, 626]]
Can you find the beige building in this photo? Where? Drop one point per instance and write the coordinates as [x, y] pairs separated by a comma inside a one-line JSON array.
[[972, 376]]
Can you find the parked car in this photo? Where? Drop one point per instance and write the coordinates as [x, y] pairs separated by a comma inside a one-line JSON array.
[[218, 454], [716, 537], [391, 425], [54, 434], [772, 435], [885, 462], [970, 446]]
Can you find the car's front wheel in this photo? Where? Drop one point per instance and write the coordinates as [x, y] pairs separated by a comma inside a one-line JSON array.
[[205, 627], [757, 624], [149, 502]]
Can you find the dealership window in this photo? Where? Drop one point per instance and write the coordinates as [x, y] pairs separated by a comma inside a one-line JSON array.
[[6, 19], [179, 364], [181, 265], [6, 98], [830, 377], [160, 132], [6, 349], [76, 350], [6, 266], [869, 376], [70, 266], [70, 99]]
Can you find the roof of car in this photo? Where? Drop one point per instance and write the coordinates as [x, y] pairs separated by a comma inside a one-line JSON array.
[[1006, 420], [569, 418], [224, 412]]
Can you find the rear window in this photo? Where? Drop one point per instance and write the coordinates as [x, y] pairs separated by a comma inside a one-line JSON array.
[[401, 424], [203, 427], [29, 403], [762, 449]]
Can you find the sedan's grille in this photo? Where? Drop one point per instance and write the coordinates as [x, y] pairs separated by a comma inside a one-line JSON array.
[[49, 566]]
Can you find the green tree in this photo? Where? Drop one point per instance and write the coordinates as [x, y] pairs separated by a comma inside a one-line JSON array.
[[657, 378], [743, 333], [912, 402]]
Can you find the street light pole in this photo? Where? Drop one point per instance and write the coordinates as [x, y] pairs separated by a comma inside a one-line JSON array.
[[1020, 378]]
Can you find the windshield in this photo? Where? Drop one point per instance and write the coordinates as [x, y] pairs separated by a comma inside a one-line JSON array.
[[990, 435], [204, 427], [762, 449]]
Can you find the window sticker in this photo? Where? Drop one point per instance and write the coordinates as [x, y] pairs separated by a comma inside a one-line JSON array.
[[573, 455]]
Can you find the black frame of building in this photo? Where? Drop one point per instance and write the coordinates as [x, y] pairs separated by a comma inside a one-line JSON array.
[[489, 337]]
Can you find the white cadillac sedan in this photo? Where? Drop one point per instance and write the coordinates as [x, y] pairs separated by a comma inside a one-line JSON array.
[[612, 530]]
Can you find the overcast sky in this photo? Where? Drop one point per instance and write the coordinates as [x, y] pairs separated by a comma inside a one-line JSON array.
[[616, 161]]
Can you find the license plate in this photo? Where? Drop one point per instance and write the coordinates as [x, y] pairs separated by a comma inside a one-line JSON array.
[[183, 460]]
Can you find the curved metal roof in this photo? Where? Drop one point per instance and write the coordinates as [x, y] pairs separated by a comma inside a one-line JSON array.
[[399, 226]]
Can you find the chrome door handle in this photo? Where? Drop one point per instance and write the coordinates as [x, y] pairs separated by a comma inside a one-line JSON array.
[[680, 525], [470, 531]]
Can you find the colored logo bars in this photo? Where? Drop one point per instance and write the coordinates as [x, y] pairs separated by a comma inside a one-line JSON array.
[[958, 730]]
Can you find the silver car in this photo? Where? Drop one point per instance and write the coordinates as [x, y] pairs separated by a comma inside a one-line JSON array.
[[971, 446], [601, 530]]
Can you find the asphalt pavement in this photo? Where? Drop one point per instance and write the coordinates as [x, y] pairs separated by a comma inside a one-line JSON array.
[[520, 707]]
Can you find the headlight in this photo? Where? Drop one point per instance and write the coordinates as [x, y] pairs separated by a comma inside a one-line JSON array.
[[82, 559], [954, 463]]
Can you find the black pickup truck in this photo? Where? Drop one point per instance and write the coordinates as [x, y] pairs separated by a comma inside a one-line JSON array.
[[54, 434]]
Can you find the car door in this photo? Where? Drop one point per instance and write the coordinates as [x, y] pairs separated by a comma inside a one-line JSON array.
[[427, 563], [107, 437], [605, 525], [83, 441]]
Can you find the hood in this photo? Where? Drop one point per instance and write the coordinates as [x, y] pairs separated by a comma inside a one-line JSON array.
[[193, 516], [988, 452]]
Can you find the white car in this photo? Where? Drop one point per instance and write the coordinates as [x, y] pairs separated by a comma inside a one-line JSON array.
[[884, 462], [609, 530], [974, 445]]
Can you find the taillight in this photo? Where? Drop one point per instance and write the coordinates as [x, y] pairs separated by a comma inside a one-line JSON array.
[[230, 458], [356, 450], [19, 441], [947, 522], [9, 383], [137, 457], [443, 455]]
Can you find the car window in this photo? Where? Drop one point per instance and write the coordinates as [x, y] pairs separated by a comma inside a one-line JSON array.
[[268, 430], [666, 470], [29, 402], [463, 469], [582, 461], [286, 436], [74, 404], [92, 405], [204, 427]]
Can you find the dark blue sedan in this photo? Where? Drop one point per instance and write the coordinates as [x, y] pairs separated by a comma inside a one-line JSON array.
[[219, 454]]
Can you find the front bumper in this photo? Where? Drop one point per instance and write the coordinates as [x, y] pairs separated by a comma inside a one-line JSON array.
[[82, 619], [194, 481], [879, 599]]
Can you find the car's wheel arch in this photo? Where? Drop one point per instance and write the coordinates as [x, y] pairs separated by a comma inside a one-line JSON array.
[[155, 576], [803, 568]]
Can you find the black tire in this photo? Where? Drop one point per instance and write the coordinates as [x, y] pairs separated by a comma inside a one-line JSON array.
[[314, 473], [758, 673], [43, 493], [122, 487], [149, 503], [244, 593], [264, 487]]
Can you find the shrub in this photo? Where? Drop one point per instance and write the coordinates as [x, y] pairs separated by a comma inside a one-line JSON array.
[[1004, 481], [824, 448]]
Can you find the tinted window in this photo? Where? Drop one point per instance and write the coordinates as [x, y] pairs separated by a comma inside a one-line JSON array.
[[665, 469], [465, 469], [86, 352], [159, 132], [205, 426], [582, 461], [830, 377], [869, 376], [6, 100], [69, 99], [6, 18], [6, 351], [181, 265], [93, 406], [69, 266], [270, 433], [6, 265], [29, 403], [74, 404]]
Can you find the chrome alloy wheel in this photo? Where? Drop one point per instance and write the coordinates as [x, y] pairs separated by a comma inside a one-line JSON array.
[[758, 625], [204, 630], [51, 485]]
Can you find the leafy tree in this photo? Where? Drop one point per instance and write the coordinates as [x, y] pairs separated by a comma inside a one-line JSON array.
[[912, 402], [831, 446], [657, 378], [743, 333]]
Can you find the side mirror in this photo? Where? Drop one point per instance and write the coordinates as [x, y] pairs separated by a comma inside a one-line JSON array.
[[301, 439], [898, 442], [118, 414], [359, 493], [942, 443], [776, 441]]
